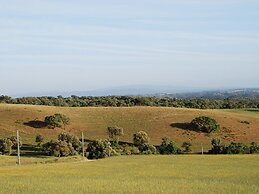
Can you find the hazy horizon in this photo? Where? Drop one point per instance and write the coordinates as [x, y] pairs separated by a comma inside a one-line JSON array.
[[91, 45]]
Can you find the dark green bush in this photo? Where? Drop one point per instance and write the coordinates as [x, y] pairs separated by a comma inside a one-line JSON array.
[[14, 141], [66, 145], [169, 147], [39, 139], [205, 124], [6, 146], [233, 148], [217, 148], [72, 139], [237, 148], [59, 148], [187, 147], [56, 120], [147, 149], [100, 149], [254, 148]]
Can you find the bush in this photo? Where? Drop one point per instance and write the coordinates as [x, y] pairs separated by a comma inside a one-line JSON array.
[[66, 145], [254, 148], [56, 120], [129, 150], [39, 139], [114, 133], [205, 124], [13, 139], [52, 122], [237, 148], [6, 146], [233, 148], [217, 148], [72, 139], [168, 147], [147, 149], [187, 146], [100, 149], [59, 148], [140, 138]]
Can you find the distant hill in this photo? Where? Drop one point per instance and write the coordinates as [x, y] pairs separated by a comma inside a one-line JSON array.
[[218, 94], [158, 91], [158, 122]]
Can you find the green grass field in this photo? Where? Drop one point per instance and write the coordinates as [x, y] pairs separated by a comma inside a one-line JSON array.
[[135, 174]]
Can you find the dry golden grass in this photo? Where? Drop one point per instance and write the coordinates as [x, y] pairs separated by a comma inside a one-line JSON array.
[[156, 121]]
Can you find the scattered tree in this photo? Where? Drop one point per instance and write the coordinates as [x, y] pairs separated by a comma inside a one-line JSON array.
[[57, 120], [39, 139], [59, 148], [187, 147], [100, 149], [205, 124], [140, 138], [13, 139], [72, 139], [6, 146], [168, 147], [114, 133]]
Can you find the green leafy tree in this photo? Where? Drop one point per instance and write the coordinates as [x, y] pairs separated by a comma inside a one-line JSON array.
[[217, 148], [168, 147], [52, 122], [72, 139], [140, 138], [57, 120], [205, 124], [254, 148], [187, 147], [59, 148], [15, 142], [100, 149], [63, 119], [6, 146], [39, 139], [114, 133]]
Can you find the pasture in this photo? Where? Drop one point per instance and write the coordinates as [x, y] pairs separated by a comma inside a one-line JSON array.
[[156, 121], [135, 174]]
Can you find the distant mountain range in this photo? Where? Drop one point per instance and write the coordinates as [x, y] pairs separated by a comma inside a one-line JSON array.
[[158, 91], [218, 94]]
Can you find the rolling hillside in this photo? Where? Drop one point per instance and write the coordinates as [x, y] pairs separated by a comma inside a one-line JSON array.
[[156, 121]]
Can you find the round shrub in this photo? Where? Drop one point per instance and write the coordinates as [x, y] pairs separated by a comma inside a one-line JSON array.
[[205, 124], [100, 149], [140, 138]]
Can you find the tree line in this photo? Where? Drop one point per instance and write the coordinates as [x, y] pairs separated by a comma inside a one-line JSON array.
[[128, 101]]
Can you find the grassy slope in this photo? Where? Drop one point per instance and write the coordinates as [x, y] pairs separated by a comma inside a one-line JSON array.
[[137, 174], [155, 121]]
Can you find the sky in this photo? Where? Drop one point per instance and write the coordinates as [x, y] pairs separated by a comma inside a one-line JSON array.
[[81, 45]]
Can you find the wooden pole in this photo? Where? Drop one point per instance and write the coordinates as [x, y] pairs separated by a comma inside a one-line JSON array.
[[18, 149], [83, 142]]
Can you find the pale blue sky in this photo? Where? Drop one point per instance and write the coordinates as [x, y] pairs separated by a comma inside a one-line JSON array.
[[64, 45]]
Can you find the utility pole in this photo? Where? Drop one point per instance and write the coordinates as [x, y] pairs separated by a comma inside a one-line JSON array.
[[18, 149], [202, 149], [83, 142]]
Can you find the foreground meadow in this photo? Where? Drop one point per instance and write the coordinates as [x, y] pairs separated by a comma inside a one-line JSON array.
[[135, 174]]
